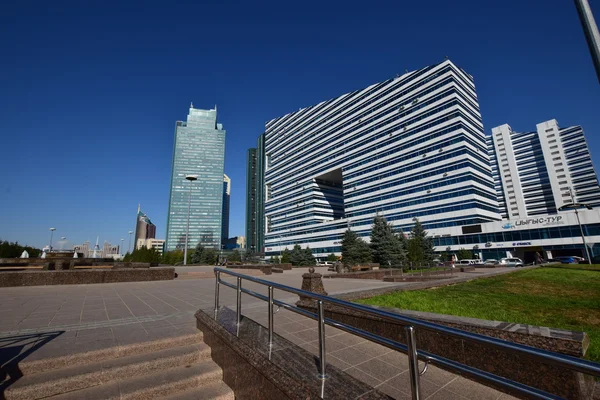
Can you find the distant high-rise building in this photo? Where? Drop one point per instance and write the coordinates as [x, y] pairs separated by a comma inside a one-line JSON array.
[[144, 228], [199, 149], [534, 170], [251, 199], [255, 197], [225, 219], [109, 250]]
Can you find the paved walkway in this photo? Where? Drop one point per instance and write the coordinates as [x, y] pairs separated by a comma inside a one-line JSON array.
[[90, 317]]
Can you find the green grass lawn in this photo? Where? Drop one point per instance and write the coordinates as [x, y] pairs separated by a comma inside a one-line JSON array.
[[562, 298], [587, 267]]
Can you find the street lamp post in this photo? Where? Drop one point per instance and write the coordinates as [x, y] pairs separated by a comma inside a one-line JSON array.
[[574, 206], [129, 248], [122, 247], [190, 178], [590, 30], [51, 233], [279, 249]]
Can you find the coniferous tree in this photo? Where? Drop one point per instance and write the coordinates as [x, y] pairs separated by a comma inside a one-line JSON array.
[[209, 256], [296, 256], [286, 256], [308, 258], [419, 245], [387, 247], [197, 256], [354, 249]]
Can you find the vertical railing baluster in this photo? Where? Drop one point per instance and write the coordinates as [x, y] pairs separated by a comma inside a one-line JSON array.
[[321, 322], [217, 286], [238, 311], [270, 316], [413, 363]]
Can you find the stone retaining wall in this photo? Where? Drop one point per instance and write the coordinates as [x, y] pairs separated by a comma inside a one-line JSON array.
[[517, 367], [76, 277], [253, 370], [392, 275]]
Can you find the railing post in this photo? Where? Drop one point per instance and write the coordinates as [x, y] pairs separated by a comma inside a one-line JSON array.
[[238, 310], [321, 323], [413, 363], [217, 286], [270, 316]]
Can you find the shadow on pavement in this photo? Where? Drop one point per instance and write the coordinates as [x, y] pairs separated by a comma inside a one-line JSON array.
[[13, 349]]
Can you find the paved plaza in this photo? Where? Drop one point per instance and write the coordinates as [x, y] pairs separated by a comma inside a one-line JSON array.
[[81, 318]]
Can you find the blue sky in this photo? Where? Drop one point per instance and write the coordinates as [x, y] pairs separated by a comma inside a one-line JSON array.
[[90, 91]]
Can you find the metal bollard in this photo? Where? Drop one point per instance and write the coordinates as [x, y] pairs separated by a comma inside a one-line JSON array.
[[413, 363], [217, 286], [238, 311], [321, 322], [271, 316]]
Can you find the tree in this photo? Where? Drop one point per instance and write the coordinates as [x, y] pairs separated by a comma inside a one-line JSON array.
[[235, 256], [308, 258], [14, 250], [301, 257], [332, 257], [143, 254], [197, 255], [274, 260], [286, 256], [354, 249], [172, 257], [387, 247], [464, 254], [209, 256], [419, 245]]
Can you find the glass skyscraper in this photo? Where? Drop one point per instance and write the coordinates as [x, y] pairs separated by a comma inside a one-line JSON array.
[[255, 197], [199, 149]]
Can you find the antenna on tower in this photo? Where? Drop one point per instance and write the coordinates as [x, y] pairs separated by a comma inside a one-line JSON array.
[[191, 104]]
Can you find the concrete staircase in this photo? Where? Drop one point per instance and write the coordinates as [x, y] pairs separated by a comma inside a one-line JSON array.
[[173, 368]]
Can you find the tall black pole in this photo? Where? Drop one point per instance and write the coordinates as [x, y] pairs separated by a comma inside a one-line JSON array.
[[590, 29]]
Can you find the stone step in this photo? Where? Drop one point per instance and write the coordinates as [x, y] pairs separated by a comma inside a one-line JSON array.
[[213, 391], [158, 384], [95, 373], [32, 366]]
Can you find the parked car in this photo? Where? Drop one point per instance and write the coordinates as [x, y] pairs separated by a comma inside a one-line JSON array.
[[324, 263], [568, 259], [490, 261], [511, 262]]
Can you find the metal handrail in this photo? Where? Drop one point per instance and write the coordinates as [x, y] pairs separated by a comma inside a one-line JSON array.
[[569, 362]]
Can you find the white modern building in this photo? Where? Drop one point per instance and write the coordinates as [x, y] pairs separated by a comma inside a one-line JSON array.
[[533, 171], [412, 146], [157, 244]]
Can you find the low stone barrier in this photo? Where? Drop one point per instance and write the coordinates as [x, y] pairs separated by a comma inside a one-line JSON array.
[[393, 275], [76, 277], [121, 265], [285, 267]]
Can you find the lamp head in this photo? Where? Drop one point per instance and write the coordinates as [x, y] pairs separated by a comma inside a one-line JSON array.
[[191, 177]]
